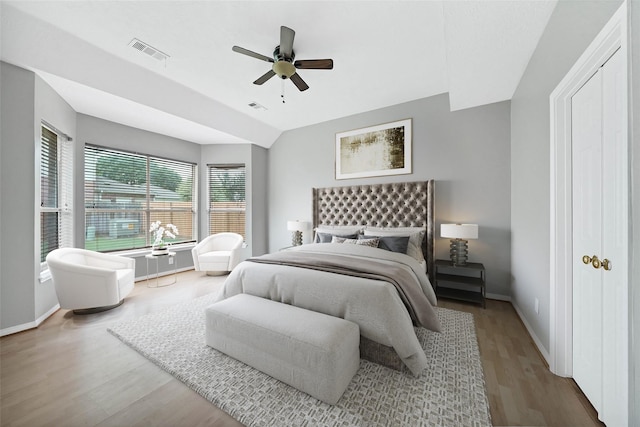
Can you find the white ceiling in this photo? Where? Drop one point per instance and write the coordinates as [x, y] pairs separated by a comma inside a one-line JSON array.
[[384, 52]]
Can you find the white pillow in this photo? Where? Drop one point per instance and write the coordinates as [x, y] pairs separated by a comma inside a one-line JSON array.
[[416, 236]]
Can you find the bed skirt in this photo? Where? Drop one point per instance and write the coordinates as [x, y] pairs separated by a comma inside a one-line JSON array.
[[382, 355]]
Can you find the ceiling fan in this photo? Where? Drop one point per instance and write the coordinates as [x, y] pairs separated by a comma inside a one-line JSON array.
[[284, 65]]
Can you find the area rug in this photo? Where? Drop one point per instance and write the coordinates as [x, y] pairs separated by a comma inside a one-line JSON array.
[[450, 391]]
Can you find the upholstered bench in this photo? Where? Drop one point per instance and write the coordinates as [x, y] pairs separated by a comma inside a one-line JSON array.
[[313, 352]]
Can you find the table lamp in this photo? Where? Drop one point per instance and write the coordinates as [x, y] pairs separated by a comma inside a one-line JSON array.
[[296, 227], [459, 235]]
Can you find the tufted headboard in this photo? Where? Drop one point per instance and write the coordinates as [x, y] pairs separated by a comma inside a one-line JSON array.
[[403, 204]]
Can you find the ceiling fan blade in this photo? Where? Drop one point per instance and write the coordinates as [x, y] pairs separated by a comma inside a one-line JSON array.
[[314, 64], [300, 84], [251, 53], [286, 41], [266, 76]]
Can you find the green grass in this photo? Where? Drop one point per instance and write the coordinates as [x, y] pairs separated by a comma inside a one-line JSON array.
[[105, 244]]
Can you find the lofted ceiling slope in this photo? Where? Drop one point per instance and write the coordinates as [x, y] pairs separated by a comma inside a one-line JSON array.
[[384, 53]]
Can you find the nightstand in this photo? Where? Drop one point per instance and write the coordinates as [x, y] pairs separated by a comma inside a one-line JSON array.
[[460, 282]]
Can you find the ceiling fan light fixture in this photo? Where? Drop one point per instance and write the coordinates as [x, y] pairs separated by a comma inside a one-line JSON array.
[[284, 69]]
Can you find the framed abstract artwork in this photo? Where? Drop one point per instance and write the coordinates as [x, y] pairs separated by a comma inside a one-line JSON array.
[[374, 151]]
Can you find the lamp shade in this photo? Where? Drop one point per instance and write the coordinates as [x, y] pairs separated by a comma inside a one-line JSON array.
[[459, 231], [296, 225]]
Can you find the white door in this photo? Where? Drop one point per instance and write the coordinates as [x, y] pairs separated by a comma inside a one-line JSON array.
[[615, 245], [600, 242], [586, 130]]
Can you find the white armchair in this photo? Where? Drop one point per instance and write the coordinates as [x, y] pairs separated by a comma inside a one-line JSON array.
[[217, 254], [89, 282]]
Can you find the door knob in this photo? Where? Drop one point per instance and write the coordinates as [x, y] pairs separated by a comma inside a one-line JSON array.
[[594, 261]]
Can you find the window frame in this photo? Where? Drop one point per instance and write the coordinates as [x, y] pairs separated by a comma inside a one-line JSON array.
[[147, 210], [64, 192], [210, 210]]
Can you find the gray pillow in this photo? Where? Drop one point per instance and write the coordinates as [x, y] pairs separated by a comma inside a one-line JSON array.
[[391, 243]]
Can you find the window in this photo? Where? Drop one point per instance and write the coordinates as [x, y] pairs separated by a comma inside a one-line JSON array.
[[56, 192], [227, 201], [125, 192]]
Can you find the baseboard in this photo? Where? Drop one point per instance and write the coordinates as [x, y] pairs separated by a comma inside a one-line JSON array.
[[543, 352], [17, 328], [498, 297], [46, 315], [30, 325]]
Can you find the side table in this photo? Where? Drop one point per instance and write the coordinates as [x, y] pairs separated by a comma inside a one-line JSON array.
[[460, 282], [170, 256]]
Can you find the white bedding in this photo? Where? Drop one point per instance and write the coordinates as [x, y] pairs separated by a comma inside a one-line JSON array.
[[374, 305]]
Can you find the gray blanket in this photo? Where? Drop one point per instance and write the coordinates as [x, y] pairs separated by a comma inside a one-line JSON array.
[[411, 294]]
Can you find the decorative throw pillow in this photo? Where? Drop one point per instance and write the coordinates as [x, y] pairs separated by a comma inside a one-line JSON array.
[[391, 243], [415, 234], [363, 242]]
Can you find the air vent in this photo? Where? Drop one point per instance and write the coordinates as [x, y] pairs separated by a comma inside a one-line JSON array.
[[257, 106], [151, 51]]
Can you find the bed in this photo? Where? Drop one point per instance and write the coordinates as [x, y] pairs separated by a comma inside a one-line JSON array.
[[386, 292]]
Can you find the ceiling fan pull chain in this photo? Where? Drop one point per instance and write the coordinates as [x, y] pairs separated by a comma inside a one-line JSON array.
[[282, 93]]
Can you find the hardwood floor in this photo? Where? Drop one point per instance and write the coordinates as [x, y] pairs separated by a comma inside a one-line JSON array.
[[522, 391], [71, 372]]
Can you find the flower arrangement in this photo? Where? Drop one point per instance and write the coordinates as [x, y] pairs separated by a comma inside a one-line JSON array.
[[160, 233]]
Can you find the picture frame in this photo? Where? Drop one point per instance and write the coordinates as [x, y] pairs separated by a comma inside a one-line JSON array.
[[380, 150]]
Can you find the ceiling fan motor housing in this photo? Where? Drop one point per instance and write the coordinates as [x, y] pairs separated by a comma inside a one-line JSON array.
[[281, 56]]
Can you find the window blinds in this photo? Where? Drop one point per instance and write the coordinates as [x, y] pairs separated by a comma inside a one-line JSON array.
[[56, 192], [227, 201], [49, 212], [171, 193], [125, 192]]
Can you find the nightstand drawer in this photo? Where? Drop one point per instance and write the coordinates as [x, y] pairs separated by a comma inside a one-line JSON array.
[[452, 278]]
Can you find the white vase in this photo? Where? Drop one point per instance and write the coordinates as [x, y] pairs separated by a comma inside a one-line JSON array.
[[159, 251]]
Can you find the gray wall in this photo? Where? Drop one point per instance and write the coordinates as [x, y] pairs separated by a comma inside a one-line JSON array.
[[556, 53], [26, 100], [467, 153], [17, 184], [258, 193], [92, 130]]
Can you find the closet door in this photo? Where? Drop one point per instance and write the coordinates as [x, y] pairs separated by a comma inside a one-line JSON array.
[[615, 244], [586, 131], [600, 242]]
